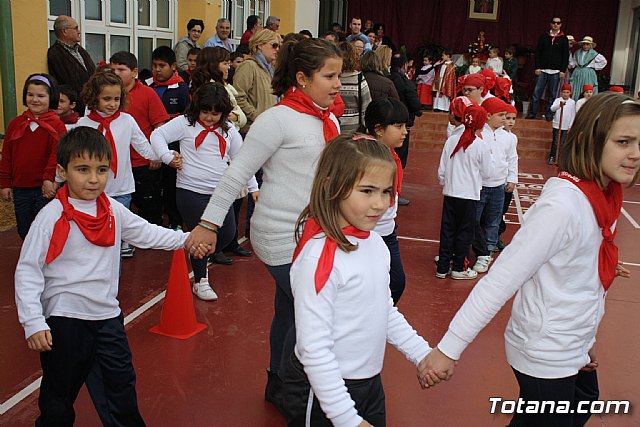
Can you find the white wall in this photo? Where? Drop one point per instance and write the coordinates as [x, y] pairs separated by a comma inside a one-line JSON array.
[[307, 13], [621, 52]]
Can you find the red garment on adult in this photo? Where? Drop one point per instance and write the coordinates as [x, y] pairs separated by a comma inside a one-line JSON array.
[[213, 129], [105, 125], [174, 79], [99, 230], [296, 99], [46, 121], [325, 262], [606, 205], [474, 119]]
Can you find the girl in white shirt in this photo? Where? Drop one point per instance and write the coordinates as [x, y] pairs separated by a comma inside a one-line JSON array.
[[208, 142], [344, 314], [386, 120], [560, 264]]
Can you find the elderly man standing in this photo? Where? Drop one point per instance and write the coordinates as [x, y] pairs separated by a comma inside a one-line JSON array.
[[195, 27], [69, 62], [273, 23], [221, 38], [254, 24]]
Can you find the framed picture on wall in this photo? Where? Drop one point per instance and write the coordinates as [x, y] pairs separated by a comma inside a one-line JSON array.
[[484, 10]]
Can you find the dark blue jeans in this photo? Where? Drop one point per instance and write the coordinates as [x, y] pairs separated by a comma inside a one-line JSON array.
[[544, 80], [282, 336], [27, 202], [490, 204], [397, 277], [554, 142]]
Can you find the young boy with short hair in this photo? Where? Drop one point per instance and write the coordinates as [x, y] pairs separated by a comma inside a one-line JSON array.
[[66, 105], [174, 94], [509, 123], [564, 107], [66, 283], [494, 62], [510, 66], [192, 58], [148, 111]]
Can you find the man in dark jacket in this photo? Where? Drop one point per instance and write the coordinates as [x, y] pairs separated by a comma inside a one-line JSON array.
[[68, 62], [552, 58], [409, 96]]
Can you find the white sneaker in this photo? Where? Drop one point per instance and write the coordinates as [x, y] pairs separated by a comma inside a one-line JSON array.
[[464, 275], [203, 290], [126, 250], [442, 275], [482, 264]]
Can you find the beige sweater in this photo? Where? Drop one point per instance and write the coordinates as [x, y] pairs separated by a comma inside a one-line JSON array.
[[254, 90]]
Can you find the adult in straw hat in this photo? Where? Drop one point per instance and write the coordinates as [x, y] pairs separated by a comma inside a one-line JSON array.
[[585, 62]]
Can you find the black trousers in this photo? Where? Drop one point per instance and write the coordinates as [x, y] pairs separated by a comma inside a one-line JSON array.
[[78, 347], [456, 232], [403, 152], [192, 206], [168, 185], [505, 208], [148, 195], [397, 278], [368, 395], [237, 206], [580, 387]]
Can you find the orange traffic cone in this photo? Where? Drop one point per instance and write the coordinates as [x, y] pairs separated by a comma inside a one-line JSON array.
[[178, 318]]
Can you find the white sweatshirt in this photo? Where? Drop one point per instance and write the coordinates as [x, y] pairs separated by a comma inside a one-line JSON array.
[[552, 264], [126, 133], [461, 175], [341, 332], [201, 168], [503, 155], [568, 115], [387, 223], [82, 282]]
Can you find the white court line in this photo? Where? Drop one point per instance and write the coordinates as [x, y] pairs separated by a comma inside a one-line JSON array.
[[629, 201], [416, 239], [630, 263], [516, 197], [630, 218], [25, 392]]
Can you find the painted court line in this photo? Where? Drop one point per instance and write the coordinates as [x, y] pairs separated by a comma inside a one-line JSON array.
[[516, 197], [629, 201], [417, 239], [630, 218], [25, 392]]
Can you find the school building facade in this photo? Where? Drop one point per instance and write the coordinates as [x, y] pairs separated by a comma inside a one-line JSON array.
[[109, 26], [139, 26]]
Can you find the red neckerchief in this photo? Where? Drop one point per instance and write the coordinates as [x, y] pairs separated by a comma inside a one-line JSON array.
[[99, 230], [70, 118], [174, 79], [45, 121], [213, 129], [606, 206], [325, 262], [297, 100], [105, 125], [399, 172], [474, 119], [553, 38], [338, 106]]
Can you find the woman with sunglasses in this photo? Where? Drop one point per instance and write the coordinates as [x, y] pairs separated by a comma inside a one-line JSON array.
[[252, 78]]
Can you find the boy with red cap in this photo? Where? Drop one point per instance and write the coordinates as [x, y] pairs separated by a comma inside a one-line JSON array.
[[564, 107], [458, 105], [509, 123], [464, 162], [587, 92], [503, 176]]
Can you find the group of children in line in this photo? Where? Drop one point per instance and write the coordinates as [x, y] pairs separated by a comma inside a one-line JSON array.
[[343, 300]]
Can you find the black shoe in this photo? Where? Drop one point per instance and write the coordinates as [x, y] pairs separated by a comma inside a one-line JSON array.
[[549, 118], [403, 202], [239, 251], [273, 390], [220, 258], [529, 117], [501, 245], [551, 161]]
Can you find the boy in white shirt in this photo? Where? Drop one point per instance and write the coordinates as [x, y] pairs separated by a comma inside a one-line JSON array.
[[67, 284], [564, 107], [494, 62]]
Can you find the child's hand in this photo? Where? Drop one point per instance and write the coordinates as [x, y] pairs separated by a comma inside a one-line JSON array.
[[176, 163], [48, 189], [562, 103], [593, 364], [200, 251], [622, 272], [364, 424], [510, 186], [255, 196], [430, 378], [436, 362], [153, 165], [6, 194], [40, 341]]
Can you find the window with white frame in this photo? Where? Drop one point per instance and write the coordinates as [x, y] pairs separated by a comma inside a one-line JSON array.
[[110, 26], [237, 11]]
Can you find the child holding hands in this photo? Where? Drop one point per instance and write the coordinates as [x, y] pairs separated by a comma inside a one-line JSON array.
[[67, 284], [560, 265], [345, 315]]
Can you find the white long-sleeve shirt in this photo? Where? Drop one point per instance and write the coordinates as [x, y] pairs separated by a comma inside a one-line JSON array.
[[82, 282], [341, 332], [387, 223], [202, 168], [504, 157], [461, 175], [552, 264], [568, 115], [598, 63], [126, 133]]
